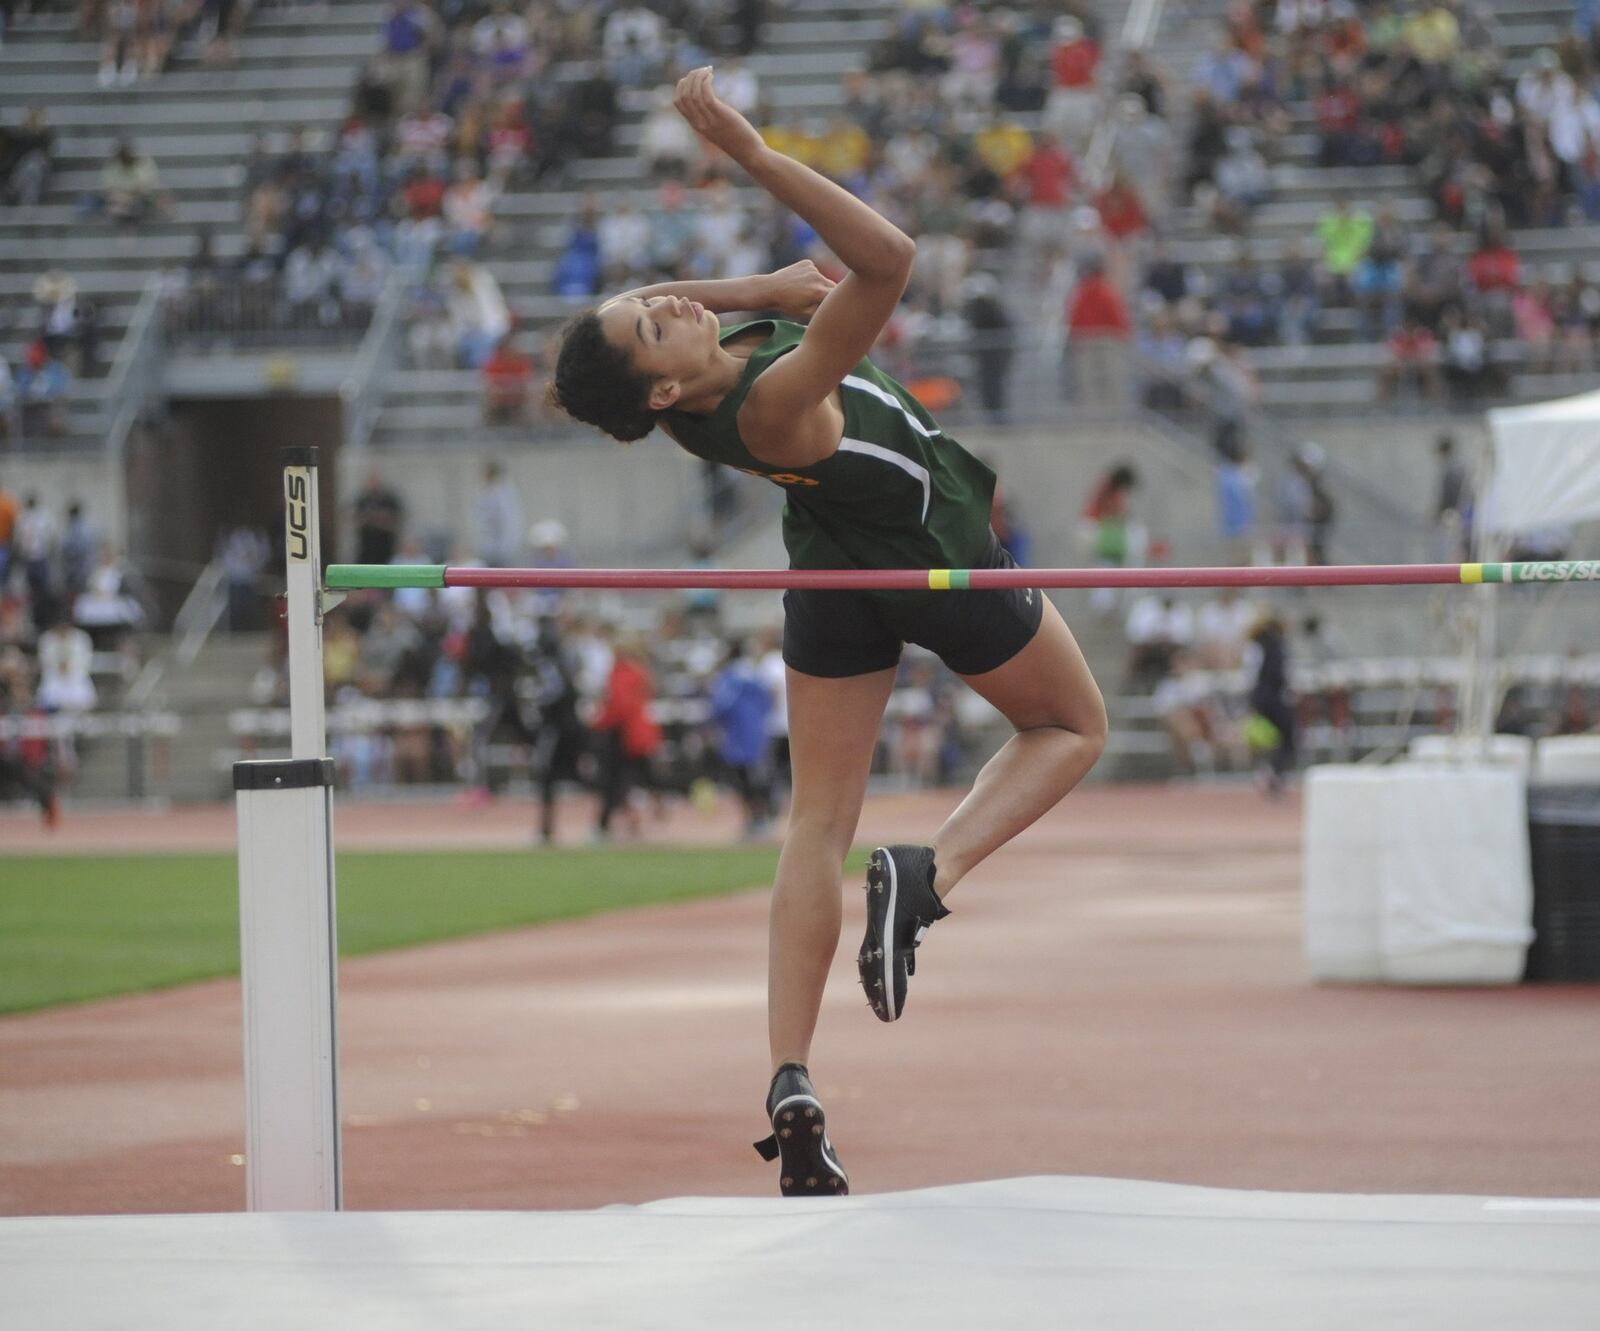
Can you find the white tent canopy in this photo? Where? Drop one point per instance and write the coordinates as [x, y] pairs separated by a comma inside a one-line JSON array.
[[1546, 466]]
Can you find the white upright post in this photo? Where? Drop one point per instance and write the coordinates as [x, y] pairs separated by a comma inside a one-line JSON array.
[[287, 929]]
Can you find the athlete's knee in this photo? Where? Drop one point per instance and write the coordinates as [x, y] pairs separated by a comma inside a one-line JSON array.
[[824, 833]]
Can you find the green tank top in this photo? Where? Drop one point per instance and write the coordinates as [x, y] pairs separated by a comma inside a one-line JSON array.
[[898, 493]]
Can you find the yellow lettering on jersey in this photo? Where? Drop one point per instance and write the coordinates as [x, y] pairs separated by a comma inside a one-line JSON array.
[[781, 477]]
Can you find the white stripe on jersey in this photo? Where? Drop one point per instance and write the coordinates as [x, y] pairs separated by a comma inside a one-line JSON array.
[[884, 395], [848, 445]]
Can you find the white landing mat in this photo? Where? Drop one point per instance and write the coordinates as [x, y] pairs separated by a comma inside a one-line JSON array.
[[1038, 1252]]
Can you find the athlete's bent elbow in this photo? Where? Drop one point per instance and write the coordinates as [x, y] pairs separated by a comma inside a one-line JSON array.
[[893, 260]]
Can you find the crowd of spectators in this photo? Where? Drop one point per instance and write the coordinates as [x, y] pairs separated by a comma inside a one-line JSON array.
[[67, 604], [934, 133], [139, 38], [1422, 86]]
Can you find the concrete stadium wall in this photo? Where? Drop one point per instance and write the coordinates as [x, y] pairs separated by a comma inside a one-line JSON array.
[[619, 503]]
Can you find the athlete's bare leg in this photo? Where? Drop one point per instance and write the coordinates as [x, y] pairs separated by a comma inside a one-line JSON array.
[[1048, 694], [833, 729]]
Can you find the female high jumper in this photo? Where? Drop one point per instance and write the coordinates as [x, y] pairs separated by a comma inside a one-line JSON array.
[[871, 482]]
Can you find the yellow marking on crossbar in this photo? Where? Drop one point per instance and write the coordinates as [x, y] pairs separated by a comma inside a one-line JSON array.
[[939, 579], [1472, 573]]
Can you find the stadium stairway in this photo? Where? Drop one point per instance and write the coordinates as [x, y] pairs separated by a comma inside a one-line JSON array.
[[1339, 377]]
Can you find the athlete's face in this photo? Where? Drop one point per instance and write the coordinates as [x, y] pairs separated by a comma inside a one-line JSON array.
[[671, 339]]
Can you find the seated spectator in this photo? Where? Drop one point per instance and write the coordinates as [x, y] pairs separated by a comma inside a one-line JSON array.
[[409, 33], [130, 186], [1533, 318], [422, 140], [578, 269], [42, 387], [1298, 296], [1435, 278], [1165, 277], [633, 43], [120, 27], [1157, 628], [1121, 209], [478, 315], [1493, 267], [1413, 358], [507, 384], [1377, 284], [509, 141], [26, 159], [1345, 233], [1243, 182], [1469, 370], [311, 283], [65, 656], [500, 40], [623, 233], [591, 118], [67, 326], [1221, 629], [468, 210], [1203, 737], [1163, 361], [1242, 299], [221, 22], [1576, 308], [366, 268]]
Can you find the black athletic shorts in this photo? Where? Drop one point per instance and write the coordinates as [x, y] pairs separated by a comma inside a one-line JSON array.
[[839, 633]]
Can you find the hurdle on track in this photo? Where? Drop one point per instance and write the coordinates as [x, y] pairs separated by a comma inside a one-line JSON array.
[[288, 944]]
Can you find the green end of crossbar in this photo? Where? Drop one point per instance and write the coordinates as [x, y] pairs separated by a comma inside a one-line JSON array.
[[352, 576], [1548, 570]]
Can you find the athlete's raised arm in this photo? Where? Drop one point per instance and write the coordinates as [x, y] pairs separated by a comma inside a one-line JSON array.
[[795, 291], [781, 410]]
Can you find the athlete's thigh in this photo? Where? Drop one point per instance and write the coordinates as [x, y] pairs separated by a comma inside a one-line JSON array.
[[1047, 683], [833, 730]]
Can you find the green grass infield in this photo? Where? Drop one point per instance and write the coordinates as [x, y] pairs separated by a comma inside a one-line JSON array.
[[80, 927]]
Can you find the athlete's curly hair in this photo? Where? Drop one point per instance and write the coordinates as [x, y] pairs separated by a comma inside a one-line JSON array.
[[597, 383]]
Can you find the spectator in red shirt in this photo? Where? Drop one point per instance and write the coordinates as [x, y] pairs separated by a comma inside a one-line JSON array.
[[1097, 309], [1099, 329], [1414, 356], [507, 381], [1048, 175], [1074, 65], [424, 194], [627, 733], [1495, 267], [1121, 213], [1044, 185]]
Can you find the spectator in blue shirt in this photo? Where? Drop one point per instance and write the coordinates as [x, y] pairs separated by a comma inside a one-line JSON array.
[[404, 63], [740, 706], [1236, 502], [42, 388]]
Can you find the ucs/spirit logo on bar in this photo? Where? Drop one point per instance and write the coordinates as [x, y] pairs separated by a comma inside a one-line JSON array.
[[1558, 570], [297, 490]]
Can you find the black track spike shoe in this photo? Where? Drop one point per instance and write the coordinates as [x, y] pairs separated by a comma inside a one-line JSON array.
[[901, 908], [811, 1166]]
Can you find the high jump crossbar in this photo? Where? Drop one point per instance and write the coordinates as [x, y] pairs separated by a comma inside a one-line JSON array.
[[368, 576]]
